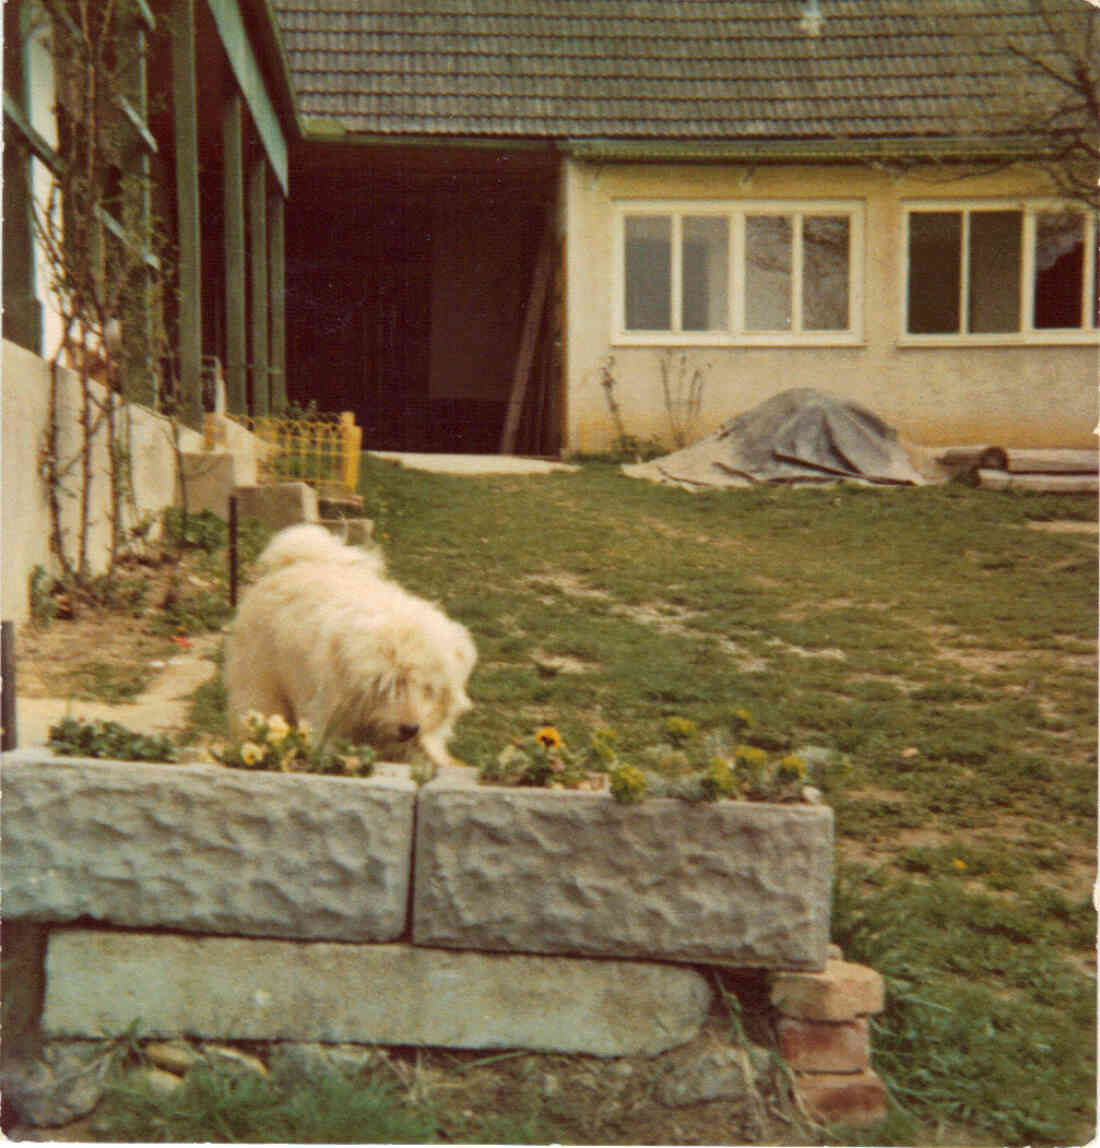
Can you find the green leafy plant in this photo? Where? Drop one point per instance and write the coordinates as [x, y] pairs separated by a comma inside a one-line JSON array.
[[75, 737], [272, 743], [628, 784], [203, 530], [543, 760], [43, 604]]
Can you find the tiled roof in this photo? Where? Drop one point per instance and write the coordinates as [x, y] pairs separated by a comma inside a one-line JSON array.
[[654, 69]]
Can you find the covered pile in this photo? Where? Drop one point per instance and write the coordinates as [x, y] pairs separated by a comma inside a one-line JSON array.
[[800, 435]]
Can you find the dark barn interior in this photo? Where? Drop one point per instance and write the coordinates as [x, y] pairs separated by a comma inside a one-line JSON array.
[[410, 275]]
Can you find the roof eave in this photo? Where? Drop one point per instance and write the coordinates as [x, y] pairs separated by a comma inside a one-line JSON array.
[[822, 149], [663, 150]]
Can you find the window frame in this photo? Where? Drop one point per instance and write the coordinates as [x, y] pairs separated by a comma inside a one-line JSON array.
[[736, 211], [1028, 334]]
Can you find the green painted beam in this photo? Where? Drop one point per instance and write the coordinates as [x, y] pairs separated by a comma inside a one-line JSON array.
[[257, 225], [276, 258], [236, 333], [31, 136], [185, 116], [777, 150], [250, 79]]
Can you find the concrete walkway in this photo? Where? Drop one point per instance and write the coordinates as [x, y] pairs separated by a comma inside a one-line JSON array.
[[472, 464], [161, 709]]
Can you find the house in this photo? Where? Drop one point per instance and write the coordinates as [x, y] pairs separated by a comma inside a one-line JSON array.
[[544, 224], [193, 123], [197, 124], [541, 226]]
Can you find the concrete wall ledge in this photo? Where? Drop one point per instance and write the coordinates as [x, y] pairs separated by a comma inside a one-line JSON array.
[[208, 850], [229, 988], [551, 871]]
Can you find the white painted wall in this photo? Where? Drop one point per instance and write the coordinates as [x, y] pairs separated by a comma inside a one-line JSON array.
[[24, 505], [1022, 396]]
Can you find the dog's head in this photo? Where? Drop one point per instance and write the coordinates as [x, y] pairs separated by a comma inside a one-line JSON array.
[[415, 705]]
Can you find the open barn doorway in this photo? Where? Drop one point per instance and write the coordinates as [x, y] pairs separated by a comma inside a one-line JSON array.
[[415, 293]]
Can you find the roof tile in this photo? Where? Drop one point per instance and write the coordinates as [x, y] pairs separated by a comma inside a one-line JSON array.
[[658, 69]]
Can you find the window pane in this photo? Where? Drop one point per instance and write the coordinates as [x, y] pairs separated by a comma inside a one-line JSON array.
[[648, 272], [935, 270], [704, 271], [768, 272], [994, 290], [825, 270], [1059, 269]]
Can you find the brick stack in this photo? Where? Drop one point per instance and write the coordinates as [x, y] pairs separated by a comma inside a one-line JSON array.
[[822, 1032]]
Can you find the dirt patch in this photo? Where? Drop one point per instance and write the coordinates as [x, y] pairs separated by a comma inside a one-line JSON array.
[[126, 661]]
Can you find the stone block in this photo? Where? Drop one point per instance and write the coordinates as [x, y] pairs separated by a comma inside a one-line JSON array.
[[208, 477], [843, 991], [224, 988], [278, 504], [824, 1045], [206, 849], [711, 1069], [59, 1086], [553, 871], [856, 1099]]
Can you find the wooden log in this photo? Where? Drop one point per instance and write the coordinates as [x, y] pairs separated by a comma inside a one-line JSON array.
[[528, 340], [1039, 483], [1052, 461], [964, 458]]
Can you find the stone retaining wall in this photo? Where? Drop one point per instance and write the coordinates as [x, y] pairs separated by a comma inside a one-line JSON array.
[[204, 849], [288, 891], [252, 906]]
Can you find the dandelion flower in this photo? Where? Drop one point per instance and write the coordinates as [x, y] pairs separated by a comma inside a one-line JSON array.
[[959, 864], [791, 767], [251, 753], [548, 737], [750, 754], [680, 730]]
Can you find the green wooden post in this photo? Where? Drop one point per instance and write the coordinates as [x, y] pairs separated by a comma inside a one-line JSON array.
[[22, 322], [257, 218], [185, 110], [277, 269], [236, 384], [140, 376]]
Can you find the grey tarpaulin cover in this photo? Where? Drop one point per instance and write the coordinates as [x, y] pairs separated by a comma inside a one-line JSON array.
[[800, 435]]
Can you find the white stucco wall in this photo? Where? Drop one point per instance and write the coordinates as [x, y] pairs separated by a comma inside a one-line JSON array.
[[1023, 396], [24, 504]]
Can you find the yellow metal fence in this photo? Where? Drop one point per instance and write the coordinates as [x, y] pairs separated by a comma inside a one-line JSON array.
[[322, 450]]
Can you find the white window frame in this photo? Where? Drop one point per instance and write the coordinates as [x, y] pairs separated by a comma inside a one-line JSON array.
[[736, 211], [1028, 334]]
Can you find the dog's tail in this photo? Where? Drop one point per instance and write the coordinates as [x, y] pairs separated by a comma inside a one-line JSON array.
[[309, 543]]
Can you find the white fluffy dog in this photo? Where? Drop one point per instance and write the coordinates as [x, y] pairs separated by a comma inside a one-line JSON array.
[[323, 635]]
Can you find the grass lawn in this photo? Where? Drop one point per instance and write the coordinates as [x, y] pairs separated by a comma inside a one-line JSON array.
[[943, 638]]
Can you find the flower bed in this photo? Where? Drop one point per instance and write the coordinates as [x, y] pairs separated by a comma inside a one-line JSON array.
[[205, 849]]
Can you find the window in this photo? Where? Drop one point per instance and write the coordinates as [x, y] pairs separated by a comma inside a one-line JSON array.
[[996, 273], [744, 272]]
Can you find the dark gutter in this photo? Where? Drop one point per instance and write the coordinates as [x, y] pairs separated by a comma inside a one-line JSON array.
[[823, 150]]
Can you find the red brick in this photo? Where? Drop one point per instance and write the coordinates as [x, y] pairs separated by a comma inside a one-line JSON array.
[[824, 1045], [843, 991], [843, 1098]]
